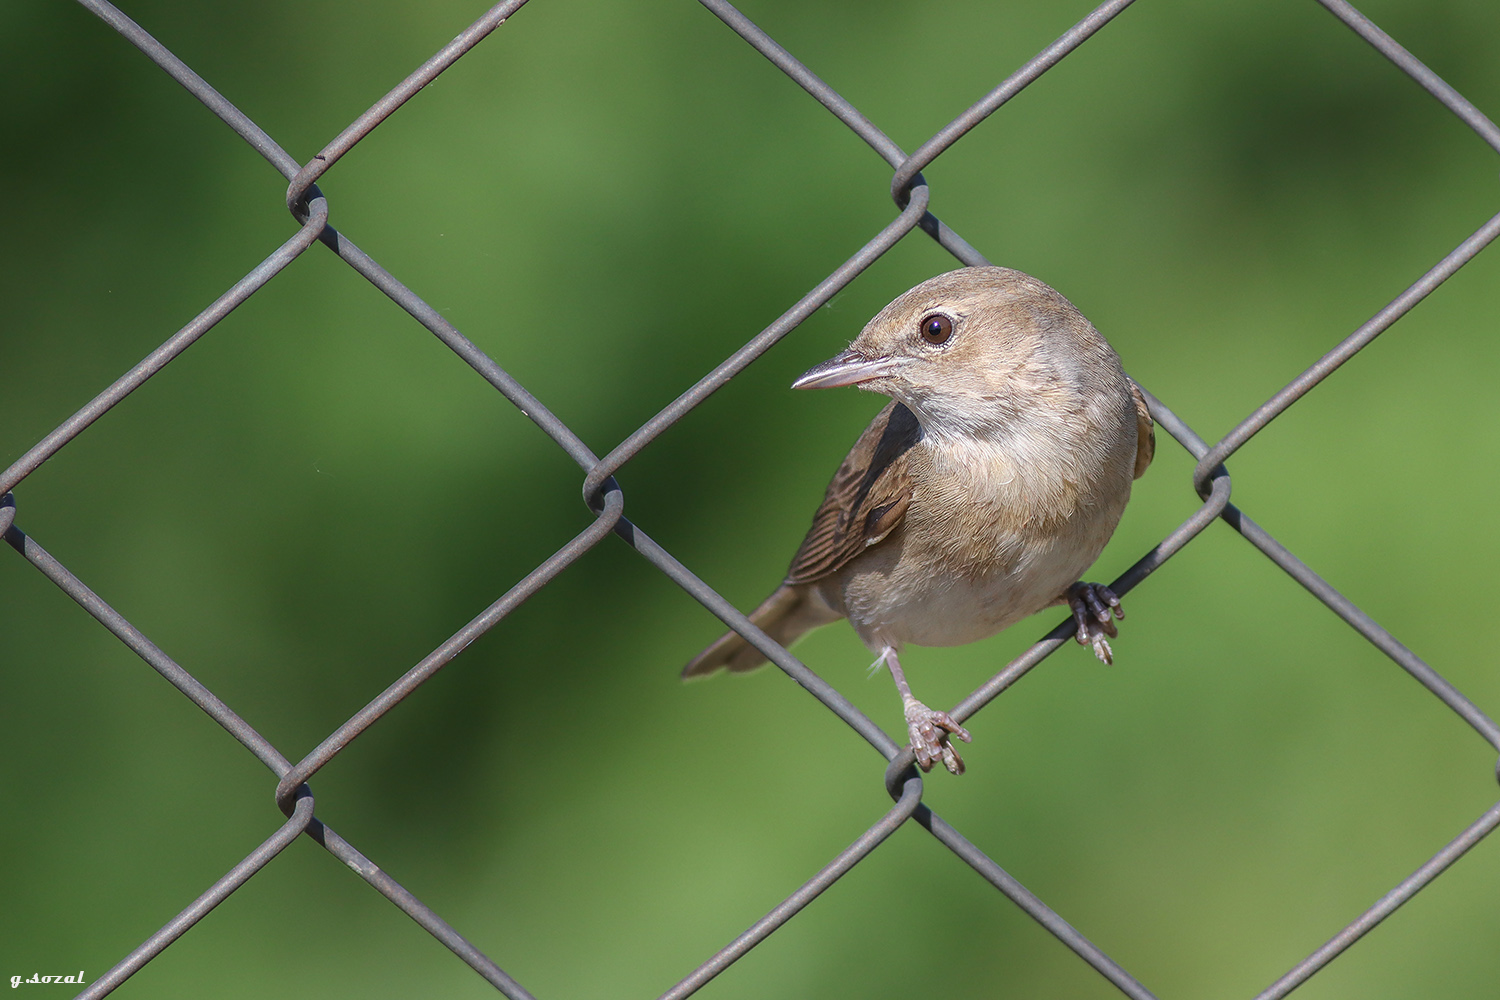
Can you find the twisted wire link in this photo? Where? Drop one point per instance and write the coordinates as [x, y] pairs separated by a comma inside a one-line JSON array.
[[604, 498]]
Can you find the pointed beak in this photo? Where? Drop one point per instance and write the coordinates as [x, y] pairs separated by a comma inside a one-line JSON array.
[[849, 368]]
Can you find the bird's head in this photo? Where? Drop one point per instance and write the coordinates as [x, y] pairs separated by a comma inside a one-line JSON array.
[[975, 349]]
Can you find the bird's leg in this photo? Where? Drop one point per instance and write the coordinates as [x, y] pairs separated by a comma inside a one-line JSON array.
[[1093, 604], [931, 732]]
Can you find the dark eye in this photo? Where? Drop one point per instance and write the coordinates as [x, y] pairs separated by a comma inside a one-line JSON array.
[[937, 328]]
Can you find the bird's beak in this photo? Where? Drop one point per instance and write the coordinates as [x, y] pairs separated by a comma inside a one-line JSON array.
[[849, 368]]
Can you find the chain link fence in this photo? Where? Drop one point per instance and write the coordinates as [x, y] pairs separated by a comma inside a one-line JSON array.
[[604, 498]]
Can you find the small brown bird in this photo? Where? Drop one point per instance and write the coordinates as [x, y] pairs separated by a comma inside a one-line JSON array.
[[978, 496]]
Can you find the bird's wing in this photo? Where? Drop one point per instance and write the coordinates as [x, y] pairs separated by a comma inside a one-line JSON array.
[[1145, 445], [866, 500]]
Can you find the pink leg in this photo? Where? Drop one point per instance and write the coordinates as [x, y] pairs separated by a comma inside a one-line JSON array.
[[931, 732]]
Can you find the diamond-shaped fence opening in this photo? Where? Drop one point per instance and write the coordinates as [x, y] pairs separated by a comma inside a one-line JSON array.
[[605, 476]]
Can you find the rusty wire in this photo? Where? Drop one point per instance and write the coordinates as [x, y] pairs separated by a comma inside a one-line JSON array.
[[604, 498]]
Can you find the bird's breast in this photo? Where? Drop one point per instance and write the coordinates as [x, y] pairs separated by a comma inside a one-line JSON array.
[[986, 542]]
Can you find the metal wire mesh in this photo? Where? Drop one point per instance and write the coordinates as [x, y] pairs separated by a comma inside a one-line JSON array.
[[604, 498]]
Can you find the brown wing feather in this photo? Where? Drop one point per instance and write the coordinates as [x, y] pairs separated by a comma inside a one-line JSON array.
[[1145, 447], [866, 500]]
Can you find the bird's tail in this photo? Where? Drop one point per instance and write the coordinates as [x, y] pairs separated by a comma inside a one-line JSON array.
[[786, 616]]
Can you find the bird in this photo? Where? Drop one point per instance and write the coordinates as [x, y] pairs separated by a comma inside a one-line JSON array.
[[977, 497]]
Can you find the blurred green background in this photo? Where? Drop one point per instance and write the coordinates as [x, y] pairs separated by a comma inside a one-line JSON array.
[[609, 197]]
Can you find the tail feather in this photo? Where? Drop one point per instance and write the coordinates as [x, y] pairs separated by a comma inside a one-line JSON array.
[[787, 615]]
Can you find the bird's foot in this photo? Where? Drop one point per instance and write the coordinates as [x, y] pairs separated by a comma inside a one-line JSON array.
[[932, 737], [1095, 607]]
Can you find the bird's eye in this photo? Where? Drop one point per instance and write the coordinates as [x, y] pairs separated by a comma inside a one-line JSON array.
[[936, 329]]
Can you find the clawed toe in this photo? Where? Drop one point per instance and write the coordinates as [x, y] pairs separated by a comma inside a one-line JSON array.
[[932, 737], [1094, 608]]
